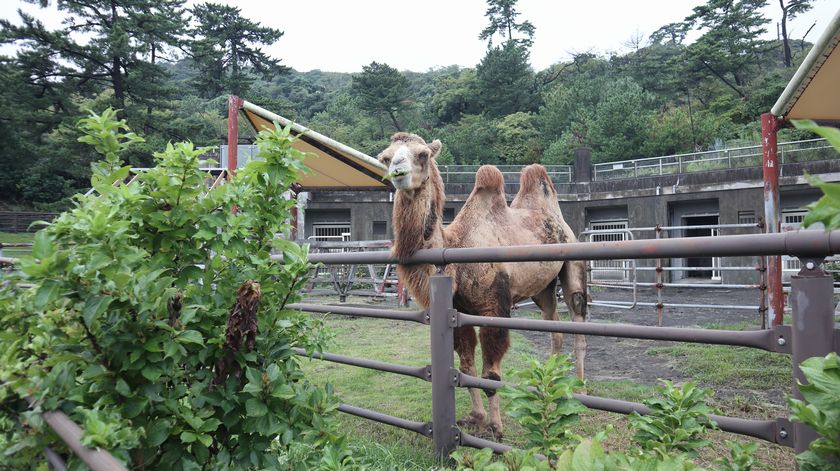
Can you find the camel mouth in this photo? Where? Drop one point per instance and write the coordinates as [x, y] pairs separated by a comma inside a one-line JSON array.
[[396, 174]]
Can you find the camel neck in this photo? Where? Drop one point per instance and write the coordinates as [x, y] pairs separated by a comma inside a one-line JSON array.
[[417, 217]]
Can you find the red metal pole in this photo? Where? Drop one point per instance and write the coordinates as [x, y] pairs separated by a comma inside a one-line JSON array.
[[770, 164], [293, 233], [234, 104]]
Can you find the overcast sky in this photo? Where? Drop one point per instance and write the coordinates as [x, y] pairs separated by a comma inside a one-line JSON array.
[[343, 35]]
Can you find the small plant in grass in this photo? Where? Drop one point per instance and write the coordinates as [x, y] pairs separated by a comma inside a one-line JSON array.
[[676, 422], [741, 457], [543, 404], [157, 319], [821, 411]]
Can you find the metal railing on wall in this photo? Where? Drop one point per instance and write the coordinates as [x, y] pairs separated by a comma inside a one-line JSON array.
[[811, 288], [19, 221], [736, 157], [510, 173]]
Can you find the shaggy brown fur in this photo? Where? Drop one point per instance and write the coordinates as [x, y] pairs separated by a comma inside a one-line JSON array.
[[487, 289]]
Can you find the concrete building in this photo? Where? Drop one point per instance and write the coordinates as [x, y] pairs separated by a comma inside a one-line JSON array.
[[695, 200]]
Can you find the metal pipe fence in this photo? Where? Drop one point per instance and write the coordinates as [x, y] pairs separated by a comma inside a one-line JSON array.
[[70, 433], [510, 173], [811, 288], [736, 157]]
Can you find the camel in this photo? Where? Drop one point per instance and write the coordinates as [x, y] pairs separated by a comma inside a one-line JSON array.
[[487, 289]]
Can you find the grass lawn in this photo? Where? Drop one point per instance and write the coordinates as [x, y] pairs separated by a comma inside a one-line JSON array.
[[739, 367], [16, 238], [407, 343]]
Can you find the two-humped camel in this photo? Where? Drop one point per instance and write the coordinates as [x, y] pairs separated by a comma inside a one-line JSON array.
[[486, 289]]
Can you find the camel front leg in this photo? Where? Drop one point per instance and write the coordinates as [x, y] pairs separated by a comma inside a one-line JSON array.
[[494, 344], [573, 282], [465, 341]]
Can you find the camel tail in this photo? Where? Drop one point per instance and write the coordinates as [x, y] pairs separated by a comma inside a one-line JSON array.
[[489, 178]]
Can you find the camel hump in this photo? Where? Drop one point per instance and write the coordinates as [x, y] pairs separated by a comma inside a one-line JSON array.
[[534, 180], [489, 178]]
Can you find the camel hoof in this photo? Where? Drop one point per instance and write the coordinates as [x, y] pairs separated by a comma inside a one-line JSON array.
[[471, 421], [495, 431]]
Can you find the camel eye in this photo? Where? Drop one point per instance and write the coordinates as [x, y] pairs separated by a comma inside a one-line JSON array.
[[423, 155], [385, 160]]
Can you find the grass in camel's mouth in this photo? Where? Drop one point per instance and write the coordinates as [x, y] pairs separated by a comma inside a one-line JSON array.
[[395, 174]]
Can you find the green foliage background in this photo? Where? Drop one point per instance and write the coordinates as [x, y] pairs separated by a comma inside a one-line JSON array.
[[657, 96]]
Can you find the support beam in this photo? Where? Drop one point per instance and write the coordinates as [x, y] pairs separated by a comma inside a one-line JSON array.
[[770, 165], [444, 432], [234, 105], [812, 333]]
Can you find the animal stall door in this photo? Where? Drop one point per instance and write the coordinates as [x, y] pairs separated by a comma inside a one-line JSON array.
[[703, 221], [613, 270]]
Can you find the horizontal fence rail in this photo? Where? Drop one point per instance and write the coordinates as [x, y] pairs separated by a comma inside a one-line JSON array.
[[65, 429], [805, 244], [774, 340], [811, 287]]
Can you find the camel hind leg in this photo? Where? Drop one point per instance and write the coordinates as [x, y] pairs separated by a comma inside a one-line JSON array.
[[573, 282], [546, 300]]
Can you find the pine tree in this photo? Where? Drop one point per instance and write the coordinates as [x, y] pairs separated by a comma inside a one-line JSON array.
[[102, 44], [381, 88], [502, 15], [227, 51]]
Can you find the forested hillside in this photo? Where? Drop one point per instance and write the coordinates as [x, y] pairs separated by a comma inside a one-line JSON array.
[[663, 95]]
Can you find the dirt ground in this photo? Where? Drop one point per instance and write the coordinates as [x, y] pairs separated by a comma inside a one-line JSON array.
[[610, 358]]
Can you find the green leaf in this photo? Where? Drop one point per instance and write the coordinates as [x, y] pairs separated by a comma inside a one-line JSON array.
[[47, 292], [42, 245], [255, 408], [151, 373], [188, 437], [94, 307], [158, 432], [190, 336], [832, 135], [122, 388]]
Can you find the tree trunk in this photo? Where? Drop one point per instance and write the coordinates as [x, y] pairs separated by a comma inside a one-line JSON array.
[[723, 79], [394, 120], [148, 124], [785, 41], [117, 78]]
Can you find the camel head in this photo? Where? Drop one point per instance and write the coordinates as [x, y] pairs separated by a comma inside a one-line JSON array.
[[409, 160]]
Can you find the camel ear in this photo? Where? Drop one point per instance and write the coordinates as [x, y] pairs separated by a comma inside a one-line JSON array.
[[435, 146]]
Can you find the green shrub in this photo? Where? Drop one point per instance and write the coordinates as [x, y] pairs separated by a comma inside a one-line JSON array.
[[543, 404], [821, 411], [669, 436], [676, 422], [157, 318]]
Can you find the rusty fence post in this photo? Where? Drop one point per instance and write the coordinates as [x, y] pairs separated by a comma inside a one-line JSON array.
[[812, 330], [442, 327]]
